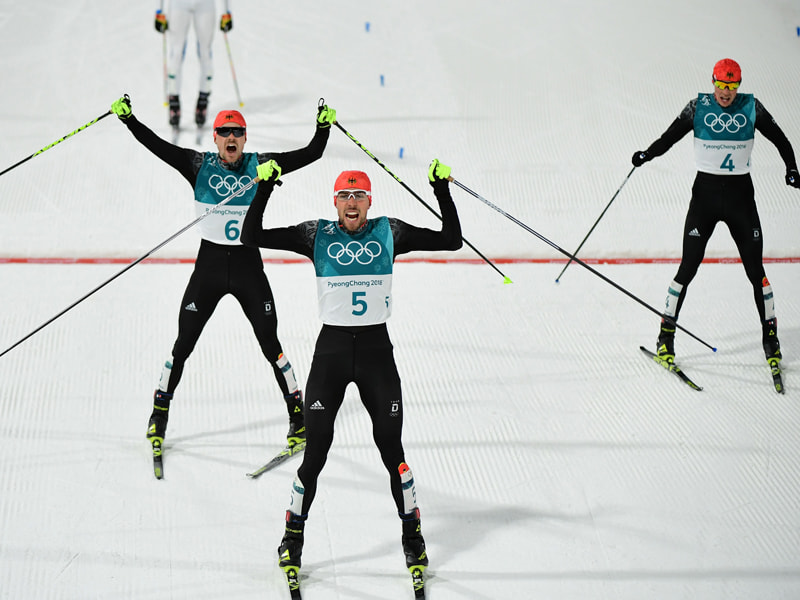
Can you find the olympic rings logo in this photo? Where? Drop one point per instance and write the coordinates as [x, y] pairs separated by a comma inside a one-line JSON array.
[[345, 255], [725, 122], [230, 184]]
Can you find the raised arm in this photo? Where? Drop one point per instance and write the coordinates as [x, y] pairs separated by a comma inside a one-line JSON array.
[[296, 159], [408, 237], [185, 160], [295, 238]]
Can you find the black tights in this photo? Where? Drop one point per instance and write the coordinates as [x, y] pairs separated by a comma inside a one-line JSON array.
[[729, 199], [221, 270], [364, 356]]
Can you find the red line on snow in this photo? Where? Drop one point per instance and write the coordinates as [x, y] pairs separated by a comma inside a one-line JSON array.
[[55, 260]]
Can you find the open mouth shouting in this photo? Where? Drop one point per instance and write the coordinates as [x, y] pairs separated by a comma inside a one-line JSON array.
[[230, 140], [231, 149], [352, 216], [352, 208]]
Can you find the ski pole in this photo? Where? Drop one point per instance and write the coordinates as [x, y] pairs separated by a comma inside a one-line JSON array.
[[579, 261], [595, 224], [79, 129], [237, 193], [425, 204], [164, 60], [233, 71]]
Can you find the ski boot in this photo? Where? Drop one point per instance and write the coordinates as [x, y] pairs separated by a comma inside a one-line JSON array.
[[174, 111], [201, 108], [290, 551], [769, 339], [772, 351], [414, 550], [665, 345], [157, 429], [297, 428], [157, 426]]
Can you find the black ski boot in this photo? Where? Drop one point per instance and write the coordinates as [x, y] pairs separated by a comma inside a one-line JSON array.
[[157, 426], [772, 350], [297, 428], [769, 338], [772, 347], [201, 108], [414, 550], [174, 111], [290, 550], [414, 543], [665, 345]]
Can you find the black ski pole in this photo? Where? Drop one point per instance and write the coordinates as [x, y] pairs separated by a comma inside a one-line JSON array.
[[69, 135], [237, 193], [425, 204], [577, 260], [578, 249]]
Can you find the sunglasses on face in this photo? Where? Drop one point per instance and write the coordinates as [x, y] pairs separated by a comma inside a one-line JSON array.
[[344, 196], [726, 85], [226, 131]]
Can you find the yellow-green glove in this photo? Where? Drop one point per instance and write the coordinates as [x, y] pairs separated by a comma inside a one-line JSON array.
[[226, 22], [269, 171], [122, 108], [438, 172], [326, 117]]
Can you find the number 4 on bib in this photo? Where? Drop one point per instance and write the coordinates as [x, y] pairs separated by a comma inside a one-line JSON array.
[[728, 164]]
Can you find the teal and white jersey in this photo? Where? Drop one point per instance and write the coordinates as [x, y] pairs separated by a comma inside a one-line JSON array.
[[723, 137], [214, 184], [354, 273]]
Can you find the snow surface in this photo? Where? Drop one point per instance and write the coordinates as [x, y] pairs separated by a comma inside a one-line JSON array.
[[551, 459]]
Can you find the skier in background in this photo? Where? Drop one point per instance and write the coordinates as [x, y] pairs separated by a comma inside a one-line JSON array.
[[202, 13], [724, 125], [353, 258], [223, 265]]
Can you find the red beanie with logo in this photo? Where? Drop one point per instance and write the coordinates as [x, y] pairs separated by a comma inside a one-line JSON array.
[[727, 70], [232, 117]]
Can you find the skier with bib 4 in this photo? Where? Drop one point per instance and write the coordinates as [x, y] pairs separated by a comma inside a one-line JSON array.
[[724, 124]]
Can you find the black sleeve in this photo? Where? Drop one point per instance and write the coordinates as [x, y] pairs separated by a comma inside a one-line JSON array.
[[185, 160], [408, 237], [296, 159], [770, 129], [297, 238], [682, 125]]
